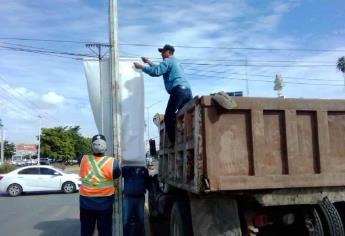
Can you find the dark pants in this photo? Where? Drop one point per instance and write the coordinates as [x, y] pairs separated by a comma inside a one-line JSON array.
[[88, 219], [178, 98], [133, 215]]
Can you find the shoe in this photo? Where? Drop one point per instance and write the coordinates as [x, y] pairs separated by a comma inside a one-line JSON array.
[[224, 100]]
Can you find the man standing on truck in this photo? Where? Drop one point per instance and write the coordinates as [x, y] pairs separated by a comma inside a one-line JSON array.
[[97, 190], [175, 84]]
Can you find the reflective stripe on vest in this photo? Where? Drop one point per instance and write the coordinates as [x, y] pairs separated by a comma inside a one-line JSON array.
[[96, 176]]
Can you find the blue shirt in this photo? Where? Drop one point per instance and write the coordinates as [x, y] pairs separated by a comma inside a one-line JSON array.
[[171, 70], [136, 180], [100, 203]]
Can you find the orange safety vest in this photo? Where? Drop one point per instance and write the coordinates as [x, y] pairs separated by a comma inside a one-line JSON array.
[[96, 175]]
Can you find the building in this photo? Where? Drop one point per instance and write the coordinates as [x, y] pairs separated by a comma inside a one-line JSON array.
[[26, 149]]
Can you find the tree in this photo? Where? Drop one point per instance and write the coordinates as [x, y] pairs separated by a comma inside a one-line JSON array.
[[82, 145], [341, 66], [63, 143], [9, 149]]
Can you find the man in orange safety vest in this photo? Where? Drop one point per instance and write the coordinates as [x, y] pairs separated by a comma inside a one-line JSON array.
[[97, 190]]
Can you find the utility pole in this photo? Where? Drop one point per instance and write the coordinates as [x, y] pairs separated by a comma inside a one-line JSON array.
[[39, 141], [116, 96], [2, 141], [99, 46], [247, 82], [148, 118]]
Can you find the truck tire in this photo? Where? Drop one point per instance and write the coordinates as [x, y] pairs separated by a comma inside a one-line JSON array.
[[180, 219], [314, 224], [331, 218]]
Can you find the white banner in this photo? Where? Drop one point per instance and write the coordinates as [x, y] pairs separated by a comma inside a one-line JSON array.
[[132, 107]]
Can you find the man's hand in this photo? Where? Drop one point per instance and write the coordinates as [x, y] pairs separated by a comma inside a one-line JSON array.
[[146, 60], [137, 65]]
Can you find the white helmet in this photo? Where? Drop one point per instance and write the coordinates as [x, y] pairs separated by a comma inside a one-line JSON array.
[[99, 145]]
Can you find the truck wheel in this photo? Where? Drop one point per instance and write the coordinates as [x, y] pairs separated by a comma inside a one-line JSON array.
[[313, 224], [331, 218], [180, 219]]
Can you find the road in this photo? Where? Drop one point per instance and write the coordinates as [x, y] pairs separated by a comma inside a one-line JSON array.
[[49, 214], [40, 214]]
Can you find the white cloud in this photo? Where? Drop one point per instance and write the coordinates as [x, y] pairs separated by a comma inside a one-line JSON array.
[[52, 98]]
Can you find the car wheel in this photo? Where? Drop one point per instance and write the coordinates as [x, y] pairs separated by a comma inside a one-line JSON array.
[[68, 187], [14, 190]]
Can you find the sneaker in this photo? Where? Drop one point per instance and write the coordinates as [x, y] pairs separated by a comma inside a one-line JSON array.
[[224, 100]]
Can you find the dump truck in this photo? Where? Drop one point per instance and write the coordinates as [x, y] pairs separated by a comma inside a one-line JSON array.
[[269, 166]]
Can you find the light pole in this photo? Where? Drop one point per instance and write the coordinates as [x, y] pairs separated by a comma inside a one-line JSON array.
[[39, 142], [148, 117], [247, 82], [2, 141], [116, 117]]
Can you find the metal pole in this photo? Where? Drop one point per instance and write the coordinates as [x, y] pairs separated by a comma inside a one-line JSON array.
[[247, 82], [39, 142], [116, 96], [101, 89], [2, 143], [148, 117]]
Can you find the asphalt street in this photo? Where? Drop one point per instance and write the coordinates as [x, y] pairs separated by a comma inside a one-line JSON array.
[[49, 214]]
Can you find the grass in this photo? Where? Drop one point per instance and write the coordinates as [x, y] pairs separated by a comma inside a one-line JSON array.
[[5, 168]]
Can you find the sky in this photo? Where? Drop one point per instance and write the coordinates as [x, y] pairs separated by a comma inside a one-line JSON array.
[[221, 45]]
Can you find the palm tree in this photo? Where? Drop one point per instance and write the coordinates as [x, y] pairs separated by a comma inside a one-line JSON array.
[[341, 66]]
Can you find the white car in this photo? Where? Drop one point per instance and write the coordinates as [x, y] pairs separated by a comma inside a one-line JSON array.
[[38, 178]]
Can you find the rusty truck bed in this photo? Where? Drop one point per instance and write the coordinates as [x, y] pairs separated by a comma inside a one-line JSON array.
[[264, 143]]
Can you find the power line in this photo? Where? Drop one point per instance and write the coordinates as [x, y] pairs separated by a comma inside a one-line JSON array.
[[266, 81], [182, 46], [253, 60], [46, 40], [256, 65], [53, 52], [43, 53], [48, 54], [158, 59], [24, 101], [238, 48], [242, 60], [15, 106], [46, 51], [268, 76]]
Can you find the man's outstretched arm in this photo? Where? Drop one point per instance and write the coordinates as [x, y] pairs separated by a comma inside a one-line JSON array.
[[154, 70]]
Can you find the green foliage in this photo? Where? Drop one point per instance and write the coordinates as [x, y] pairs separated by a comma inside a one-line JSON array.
[[63, 143], [5, 168], [9, 149], [341, 64]]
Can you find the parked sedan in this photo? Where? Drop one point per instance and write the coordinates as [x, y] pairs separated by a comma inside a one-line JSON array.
[[38, 178]]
